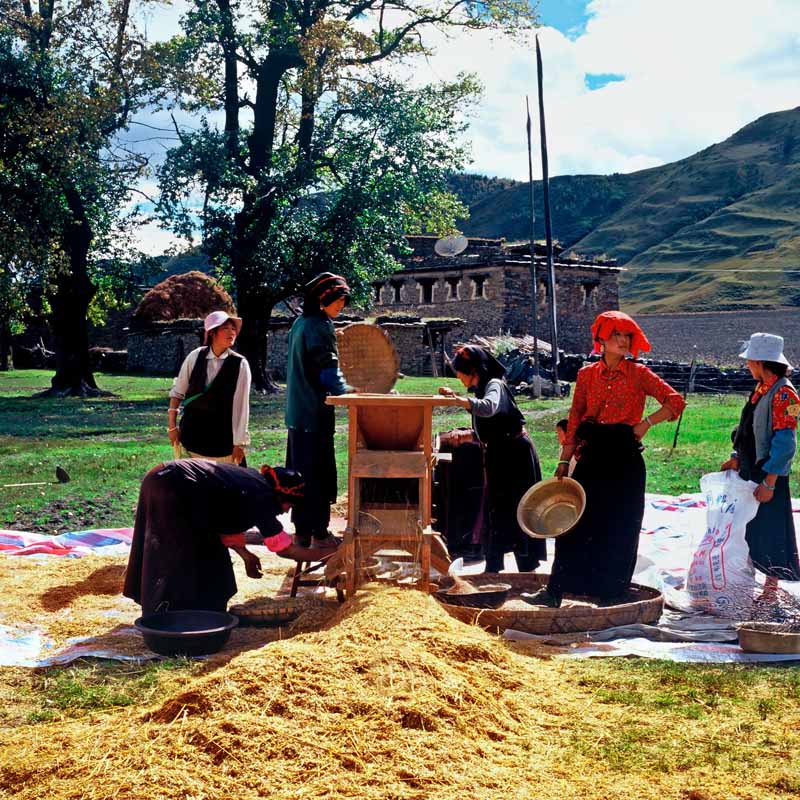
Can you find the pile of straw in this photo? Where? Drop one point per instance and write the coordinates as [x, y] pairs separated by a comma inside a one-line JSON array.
[[391, 699]]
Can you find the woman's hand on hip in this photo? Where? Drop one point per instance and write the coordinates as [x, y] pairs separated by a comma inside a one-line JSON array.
[[641, 429]]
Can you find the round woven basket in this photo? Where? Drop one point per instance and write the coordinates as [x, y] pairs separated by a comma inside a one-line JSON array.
[[643, 604], [273, 610], [768, 637], [367, 358]]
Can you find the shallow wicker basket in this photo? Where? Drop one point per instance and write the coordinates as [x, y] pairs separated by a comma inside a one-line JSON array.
[[270, 611], [642, 605], [368, 358], [768, 637]]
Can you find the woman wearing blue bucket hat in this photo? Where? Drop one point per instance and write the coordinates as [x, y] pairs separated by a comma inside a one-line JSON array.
[[765, 444]]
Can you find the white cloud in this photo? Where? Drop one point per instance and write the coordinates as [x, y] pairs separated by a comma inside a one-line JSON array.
[[694, 72]]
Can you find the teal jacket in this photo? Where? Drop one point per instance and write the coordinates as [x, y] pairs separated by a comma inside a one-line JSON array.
[[312, 373]]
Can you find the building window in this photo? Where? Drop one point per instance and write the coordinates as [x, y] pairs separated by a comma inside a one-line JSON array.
[[397, 286], [479, 291], [426, 290], [452, 288], [589, 293]]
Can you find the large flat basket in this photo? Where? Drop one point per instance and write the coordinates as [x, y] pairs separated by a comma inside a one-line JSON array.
[[368, 358]]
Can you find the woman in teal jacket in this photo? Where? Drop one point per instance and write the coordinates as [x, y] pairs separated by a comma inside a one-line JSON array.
[[312, 373]]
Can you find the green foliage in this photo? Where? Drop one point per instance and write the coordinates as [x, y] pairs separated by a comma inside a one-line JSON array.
[[330, 161]]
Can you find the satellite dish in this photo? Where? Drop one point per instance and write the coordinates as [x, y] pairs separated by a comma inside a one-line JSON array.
[[451, 246]]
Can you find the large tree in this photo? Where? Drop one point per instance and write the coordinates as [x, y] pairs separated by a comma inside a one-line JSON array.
[[322, 160], [72, 72]]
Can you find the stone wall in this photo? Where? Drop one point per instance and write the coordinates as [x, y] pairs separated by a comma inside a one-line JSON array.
[[160, 348], [493, 299], [474, 295], [410, 339], [581, 294]]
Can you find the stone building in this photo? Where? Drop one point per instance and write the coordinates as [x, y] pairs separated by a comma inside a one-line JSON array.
[[488, 286]]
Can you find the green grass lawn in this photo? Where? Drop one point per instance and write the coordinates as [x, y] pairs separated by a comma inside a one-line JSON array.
[[107, 444]]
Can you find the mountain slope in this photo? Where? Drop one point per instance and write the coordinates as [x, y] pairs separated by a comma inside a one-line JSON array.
[[717, 230]]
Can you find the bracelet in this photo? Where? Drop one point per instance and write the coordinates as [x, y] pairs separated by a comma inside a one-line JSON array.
[[564, 462], [767, 486], [648, 421], [169, 430]]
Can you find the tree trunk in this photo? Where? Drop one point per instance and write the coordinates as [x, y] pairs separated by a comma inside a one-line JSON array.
[[252, 343], [70, 305], [5, 346]]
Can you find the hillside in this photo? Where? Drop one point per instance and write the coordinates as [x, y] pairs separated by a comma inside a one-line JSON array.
[[718, 230]]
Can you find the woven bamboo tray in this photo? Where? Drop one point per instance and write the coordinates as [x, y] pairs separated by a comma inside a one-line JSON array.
[[576, 614], [273, 610], [768, 637], [367, 358]]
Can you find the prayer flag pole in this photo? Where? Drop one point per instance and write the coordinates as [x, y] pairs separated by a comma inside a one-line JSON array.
[[537, 389], [551, 273]]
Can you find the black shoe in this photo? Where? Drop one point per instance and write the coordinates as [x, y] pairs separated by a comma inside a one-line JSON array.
[[544, 597], [327, 541]]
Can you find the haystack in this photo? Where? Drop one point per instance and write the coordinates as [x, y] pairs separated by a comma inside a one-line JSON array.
[[192, 295]]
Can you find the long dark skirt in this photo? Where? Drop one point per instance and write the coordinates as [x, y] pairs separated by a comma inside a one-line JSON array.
[[771, 535], [313, 456], [177, 559], [512, 467], [598, 556]]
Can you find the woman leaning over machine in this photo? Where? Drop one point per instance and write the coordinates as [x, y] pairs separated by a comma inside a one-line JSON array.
[[765, 444], [213, 386], [598, 556], [510, 459], [189, 513]]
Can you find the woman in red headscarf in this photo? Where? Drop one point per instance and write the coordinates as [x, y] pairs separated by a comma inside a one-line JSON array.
[[606, 426]]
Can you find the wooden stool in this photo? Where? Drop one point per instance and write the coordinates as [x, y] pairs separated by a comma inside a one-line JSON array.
[[307, 568]]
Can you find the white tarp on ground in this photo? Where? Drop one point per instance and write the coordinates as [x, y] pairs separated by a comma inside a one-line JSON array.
[[671, 528]]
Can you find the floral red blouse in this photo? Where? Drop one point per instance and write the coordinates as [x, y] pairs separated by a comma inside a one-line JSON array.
[[618, 395], [785, 404]]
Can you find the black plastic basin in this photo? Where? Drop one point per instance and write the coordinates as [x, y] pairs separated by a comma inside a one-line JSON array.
[[186, 633]]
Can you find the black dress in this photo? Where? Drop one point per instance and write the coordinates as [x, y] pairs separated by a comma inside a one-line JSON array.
[[177, 559], [512, 467], [598, 556], [770, 534]]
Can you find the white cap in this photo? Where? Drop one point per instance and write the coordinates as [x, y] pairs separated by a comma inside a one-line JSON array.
[[765, 347], [217, 318]]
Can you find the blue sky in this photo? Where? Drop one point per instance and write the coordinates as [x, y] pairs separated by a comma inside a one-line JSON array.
[[567, 16]]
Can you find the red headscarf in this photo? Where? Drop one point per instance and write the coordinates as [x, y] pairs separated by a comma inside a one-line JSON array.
[[610, 321], [285, 482]]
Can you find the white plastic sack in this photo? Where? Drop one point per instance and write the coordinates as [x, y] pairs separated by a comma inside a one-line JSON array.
[[721, 577]]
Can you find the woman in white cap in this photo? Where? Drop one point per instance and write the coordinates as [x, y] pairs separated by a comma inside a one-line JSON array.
[[213, 386], [764, 447]]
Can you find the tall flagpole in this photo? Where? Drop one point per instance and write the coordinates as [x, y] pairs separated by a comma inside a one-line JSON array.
[[534, 281], [551, 273]]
